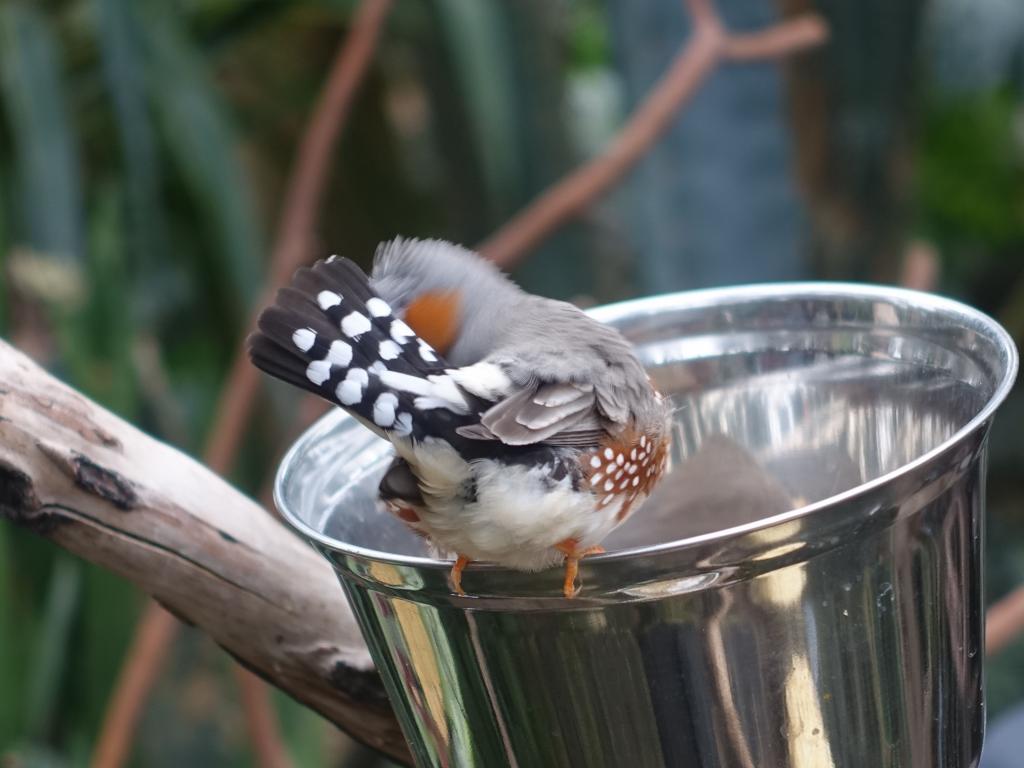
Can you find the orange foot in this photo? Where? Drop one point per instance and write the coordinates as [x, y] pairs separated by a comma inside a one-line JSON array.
[[573, 554], [456, 575]]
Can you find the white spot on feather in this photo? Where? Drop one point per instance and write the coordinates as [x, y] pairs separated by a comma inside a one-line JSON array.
[[339, 353], [328, 299], [427, 352], [401, 332], [609, 454], [377, 368], [304, 338], [595, 462], [378, 307], [384, 409], [359, 376], [349, 392], [318, 371], [388, 350], [445, 394], [355, 324], [596, 479], [609, 484]]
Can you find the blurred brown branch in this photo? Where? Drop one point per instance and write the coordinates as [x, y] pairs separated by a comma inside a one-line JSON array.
[[1004, 621], [708, 46], [301, 206], [781, 40]]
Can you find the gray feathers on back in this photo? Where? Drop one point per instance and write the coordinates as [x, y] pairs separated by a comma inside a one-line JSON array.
[[573, 378]]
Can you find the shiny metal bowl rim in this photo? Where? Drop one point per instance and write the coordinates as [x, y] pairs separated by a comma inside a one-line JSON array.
[[708, 297]]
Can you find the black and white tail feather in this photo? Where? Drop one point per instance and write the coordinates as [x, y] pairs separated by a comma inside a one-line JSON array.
[[330, 334]]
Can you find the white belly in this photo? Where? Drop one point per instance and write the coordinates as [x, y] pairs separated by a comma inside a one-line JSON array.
[[517, 517]]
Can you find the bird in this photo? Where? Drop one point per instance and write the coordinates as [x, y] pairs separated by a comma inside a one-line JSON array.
[[524, 430]]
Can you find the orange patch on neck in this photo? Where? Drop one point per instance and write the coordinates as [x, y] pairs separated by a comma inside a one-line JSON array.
[[434, 317]]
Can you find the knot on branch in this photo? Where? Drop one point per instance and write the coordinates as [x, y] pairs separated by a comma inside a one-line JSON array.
[[19, 503], [92, 477], [103, 482], [17, 498]]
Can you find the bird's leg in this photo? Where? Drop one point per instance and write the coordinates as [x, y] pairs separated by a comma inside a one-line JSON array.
[[456, 575], [573, 554]]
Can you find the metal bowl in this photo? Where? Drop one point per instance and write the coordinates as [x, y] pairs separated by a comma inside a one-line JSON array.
[[804, 588]]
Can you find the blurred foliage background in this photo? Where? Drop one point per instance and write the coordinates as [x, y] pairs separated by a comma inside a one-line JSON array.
[[144, 148]]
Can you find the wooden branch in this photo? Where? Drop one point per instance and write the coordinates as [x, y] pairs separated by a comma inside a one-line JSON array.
[[709, 45], [95, 485]]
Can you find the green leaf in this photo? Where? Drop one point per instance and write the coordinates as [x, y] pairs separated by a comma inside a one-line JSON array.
[[110, 609], [203, 145], [5, 245], [120, 46], [969, 185], [11, 632], [53, 650], [478, 45], [46, 162]]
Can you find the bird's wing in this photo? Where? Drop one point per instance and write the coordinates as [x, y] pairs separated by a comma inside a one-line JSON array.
[[552, 412]]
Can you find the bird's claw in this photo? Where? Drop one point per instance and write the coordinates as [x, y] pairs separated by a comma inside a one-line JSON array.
[[573, 554], [456, 574]]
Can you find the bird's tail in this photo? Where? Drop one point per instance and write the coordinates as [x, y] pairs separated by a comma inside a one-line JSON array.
[[330, 334]]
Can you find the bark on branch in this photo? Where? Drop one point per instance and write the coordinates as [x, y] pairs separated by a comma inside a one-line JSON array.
[[95, 485]]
